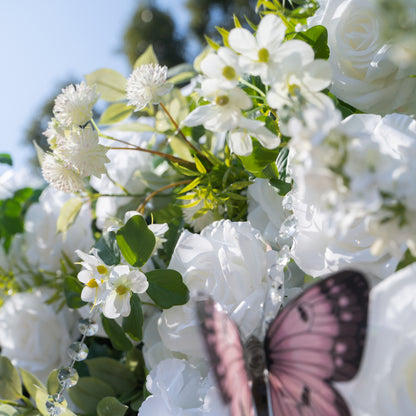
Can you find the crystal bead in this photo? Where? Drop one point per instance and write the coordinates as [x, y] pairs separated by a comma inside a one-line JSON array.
[[288, 227], [52, 405], [87, 327], [78, 351], [68, 377]]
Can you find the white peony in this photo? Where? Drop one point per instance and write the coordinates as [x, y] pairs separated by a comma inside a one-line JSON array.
[[32, 334], [386, 382], [365, 73], [229, 261], [179, 388]]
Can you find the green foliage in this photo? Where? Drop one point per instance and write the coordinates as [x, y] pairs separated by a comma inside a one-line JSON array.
[[133, 324], [10, 387], [109, 83], [6, 159], [107, 248], [88, 392], [30, 382], [6, 410], [68, 215], [166, 288], [115, 113], [110, 406], [146, 58], [136, 241], [317, 37], [116, 334], [72, 291]]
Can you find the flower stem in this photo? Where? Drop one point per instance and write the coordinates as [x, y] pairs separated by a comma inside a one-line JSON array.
[[142, 206], [179, 131], [248, 84]]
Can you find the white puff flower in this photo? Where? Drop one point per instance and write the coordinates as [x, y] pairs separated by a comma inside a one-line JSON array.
[[74, 105], [147, 84], [60, 175], [80, 149]]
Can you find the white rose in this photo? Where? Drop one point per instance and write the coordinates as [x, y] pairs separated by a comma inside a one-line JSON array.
[[364, 72], [319, 251], [44, 246], [33, 335], [181, 389], [386, 382], [229, 261]]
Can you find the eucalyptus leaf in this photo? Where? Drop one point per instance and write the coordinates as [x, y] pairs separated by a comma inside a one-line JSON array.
[[30, 382], [110, 84], [116, 334], [114, 373], [133, 324], [52, 384], [10, 385], [41, 398], [68, 214], [6, 159], [110, 406], [7, 410], [116, 112], [166, 288], [136, 241], [88, 392], [146, 58]]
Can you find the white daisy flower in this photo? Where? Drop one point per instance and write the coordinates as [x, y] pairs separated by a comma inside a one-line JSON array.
[[80, 149], [60, 175], [123, 281], [74, 105], [146, 85]]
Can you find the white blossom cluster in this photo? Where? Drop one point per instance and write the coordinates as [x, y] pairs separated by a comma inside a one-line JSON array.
[[76, 151]]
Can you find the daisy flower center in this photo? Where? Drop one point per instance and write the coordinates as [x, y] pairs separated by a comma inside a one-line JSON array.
[[92, 283], [121, 290], [222, 100], [101, 269], [229, 72], [263, 55]]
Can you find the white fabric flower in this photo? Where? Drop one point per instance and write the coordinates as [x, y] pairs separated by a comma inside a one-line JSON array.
[[13, 179], [223, 67], [224, 112], [260, 52], [364, 72], [179, 389], [32, 334], [147, 84], [74, 105], [386, 382], [240, 138], [122, 282], [60, 175], [229, 261], [80, 149]]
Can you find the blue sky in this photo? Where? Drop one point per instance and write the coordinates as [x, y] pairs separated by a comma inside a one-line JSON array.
[[46, 42]]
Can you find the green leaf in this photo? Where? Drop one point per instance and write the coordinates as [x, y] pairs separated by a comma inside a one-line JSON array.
[[116, 334], [10, 386], [68, 214], [110, 406], [282, 187], [30, 382], [140, 127], [6, 410], [214, 45], [317, 37], [88, 392], [107, 248], [52, 384], [136, 241], [72, 291], [112, 372], [259, 160], [115, 113], [166, 288], [133, 324], [42, 396], [6, 158], [147, 57], [110, 84]]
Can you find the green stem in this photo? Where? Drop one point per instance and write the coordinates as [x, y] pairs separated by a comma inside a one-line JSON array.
[[248, 84]]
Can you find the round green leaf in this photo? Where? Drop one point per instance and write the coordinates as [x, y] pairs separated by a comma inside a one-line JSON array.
[[115, 113], [133, 324], [136, 241], [72, 291], [117, 337], [107, 248], [69, 213], [166, 288], [110, 84], [110, 406], [88, 392], [30, 382], [147, 57]]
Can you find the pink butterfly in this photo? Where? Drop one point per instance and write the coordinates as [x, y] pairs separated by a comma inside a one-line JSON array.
[[317, 338]]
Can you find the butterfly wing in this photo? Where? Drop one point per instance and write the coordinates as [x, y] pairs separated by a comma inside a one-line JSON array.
[[318, 338], [226, 353]]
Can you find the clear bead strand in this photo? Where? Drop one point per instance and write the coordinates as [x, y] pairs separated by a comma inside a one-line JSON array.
[[68, 376]]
